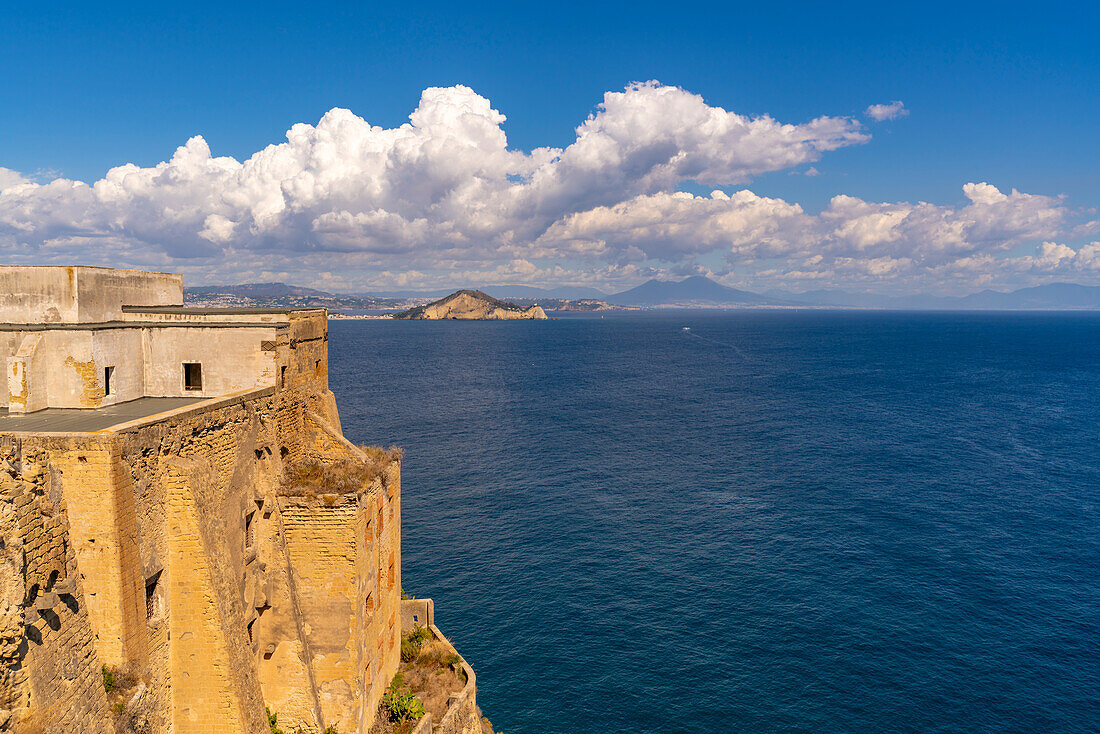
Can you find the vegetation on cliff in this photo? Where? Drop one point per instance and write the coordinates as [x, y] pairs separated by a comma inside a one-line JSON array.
[[471, 305], [430, 676], [347, 476]]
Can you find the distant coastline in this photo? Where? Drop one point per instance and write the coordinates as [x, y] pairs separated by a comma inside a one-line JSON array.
[[696, 292]]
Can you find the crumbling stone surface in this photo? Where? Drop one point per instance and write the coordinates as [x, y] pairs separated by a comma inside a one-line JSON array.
[[168, 552]]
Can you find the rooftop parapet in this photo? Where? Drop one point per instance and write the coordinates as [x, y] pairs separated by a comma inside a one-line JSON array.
[[76, 294]]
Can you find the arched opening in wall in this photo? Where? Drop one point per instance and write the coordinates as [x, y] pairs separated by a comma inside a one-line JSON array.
[[284, 452], [282, 376], [152, 601]]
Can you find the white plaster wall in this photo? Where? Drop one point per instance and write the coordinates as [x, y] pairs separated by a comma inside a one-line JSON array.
[[25, 394], [9, 344], [231, 359], [70, 294], [102, 292], [122, 349], [57, 368], [66, 370], [37, 294]]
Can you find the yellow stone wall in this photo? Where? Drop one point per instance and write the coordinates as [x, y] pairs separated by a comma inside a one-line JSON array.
[[220, 595]]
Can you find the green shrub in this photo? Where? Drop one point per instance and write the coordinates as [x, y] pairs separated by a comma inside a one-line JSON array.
[[331, 730], [273, 721], [400, 704], [109, 681], [409, 651], [420, 635], [412, 642]]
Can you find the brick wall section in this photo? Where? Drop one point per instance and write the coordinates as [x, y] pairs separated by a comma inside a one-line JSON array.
[[210, 690], [105, 535], [321, 545], [222, 596], [49, 668]]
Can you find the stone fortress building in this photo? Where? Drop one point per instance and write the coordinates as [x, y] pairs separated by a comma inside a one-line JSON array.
[[164, 513]]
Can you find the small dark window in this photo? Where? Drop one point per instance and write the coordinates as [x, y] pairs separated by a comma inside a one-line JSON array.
[[151, 595], [282, 376], [192, 376], [250, 640], [107, 373], [249, 530]]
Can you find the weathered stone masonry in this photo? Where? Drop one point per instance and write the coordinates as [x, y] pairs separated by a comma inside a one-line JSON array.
[[165, 548]]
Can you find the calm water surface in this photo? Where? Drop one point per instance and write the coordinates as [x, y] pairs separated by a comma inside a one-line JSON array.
[[773, 522]]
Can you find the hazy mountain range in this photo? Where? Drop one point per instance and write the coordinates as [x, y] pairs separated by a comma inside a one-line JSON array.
[[692, 292]]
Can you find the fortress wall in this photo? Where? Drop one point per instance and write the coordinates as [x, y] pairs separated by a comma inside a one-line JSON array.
[[345, 554], [232, 359], [213, 677], [104, 532], [50, 675], [200, 481], [54, 294], [321, 544], [197, 580]]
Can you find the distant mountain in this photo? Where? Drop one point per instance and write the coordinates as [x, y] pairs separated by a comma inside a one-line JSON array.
[[1050, 297], [471, 306], [695, 291], [257, 290], [1041, 297], [565, 292], [280, 295], [500, 291]]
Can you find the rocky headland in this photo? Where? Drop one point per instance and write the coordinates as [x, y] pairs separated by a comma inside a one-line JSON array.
[[471, 305]]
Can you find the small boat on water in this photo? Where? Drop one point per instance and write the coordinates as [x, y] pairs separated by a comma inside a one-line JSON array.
[[687, 328]]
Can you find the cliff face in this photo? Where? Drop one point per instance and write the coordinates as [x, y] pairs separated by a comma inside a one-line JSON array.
[[473, 305]]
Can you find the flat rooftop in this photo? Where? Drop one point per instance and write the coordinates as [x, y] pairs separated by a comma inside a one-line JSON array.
[[77, 420]]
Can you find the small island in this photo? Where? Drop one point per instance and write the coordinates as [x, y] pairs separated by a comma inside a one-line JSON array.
[[471, 305]]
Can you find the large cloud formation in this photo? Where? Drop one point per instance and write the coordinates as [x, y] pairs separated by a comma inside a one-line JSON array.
[[345, 203]]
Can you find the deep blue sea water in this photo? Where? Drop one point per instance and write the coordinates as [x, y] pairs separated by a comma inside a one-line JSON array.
[[773, 522]]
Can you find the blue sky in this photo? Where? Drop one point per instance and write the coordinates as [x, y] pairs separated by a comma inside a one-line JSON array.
[[1005, 95]]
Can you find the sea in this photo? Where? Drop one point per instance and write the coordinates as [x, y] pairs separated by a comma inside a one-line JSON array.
[[750, 521]]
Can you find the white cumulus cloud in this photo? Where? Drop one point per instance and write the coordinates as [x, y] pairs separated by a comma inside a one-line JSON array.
[[890, 111], [343, 204]]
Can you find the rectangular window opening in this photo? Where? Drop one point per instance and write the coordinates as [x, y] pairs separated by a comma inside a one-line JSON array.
[[192, 376], [282, 376], [151, 595], [108, 372]]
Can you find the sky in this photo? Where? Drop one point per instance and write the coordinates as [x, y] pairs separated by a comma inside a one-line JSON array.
[[932, 148]]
